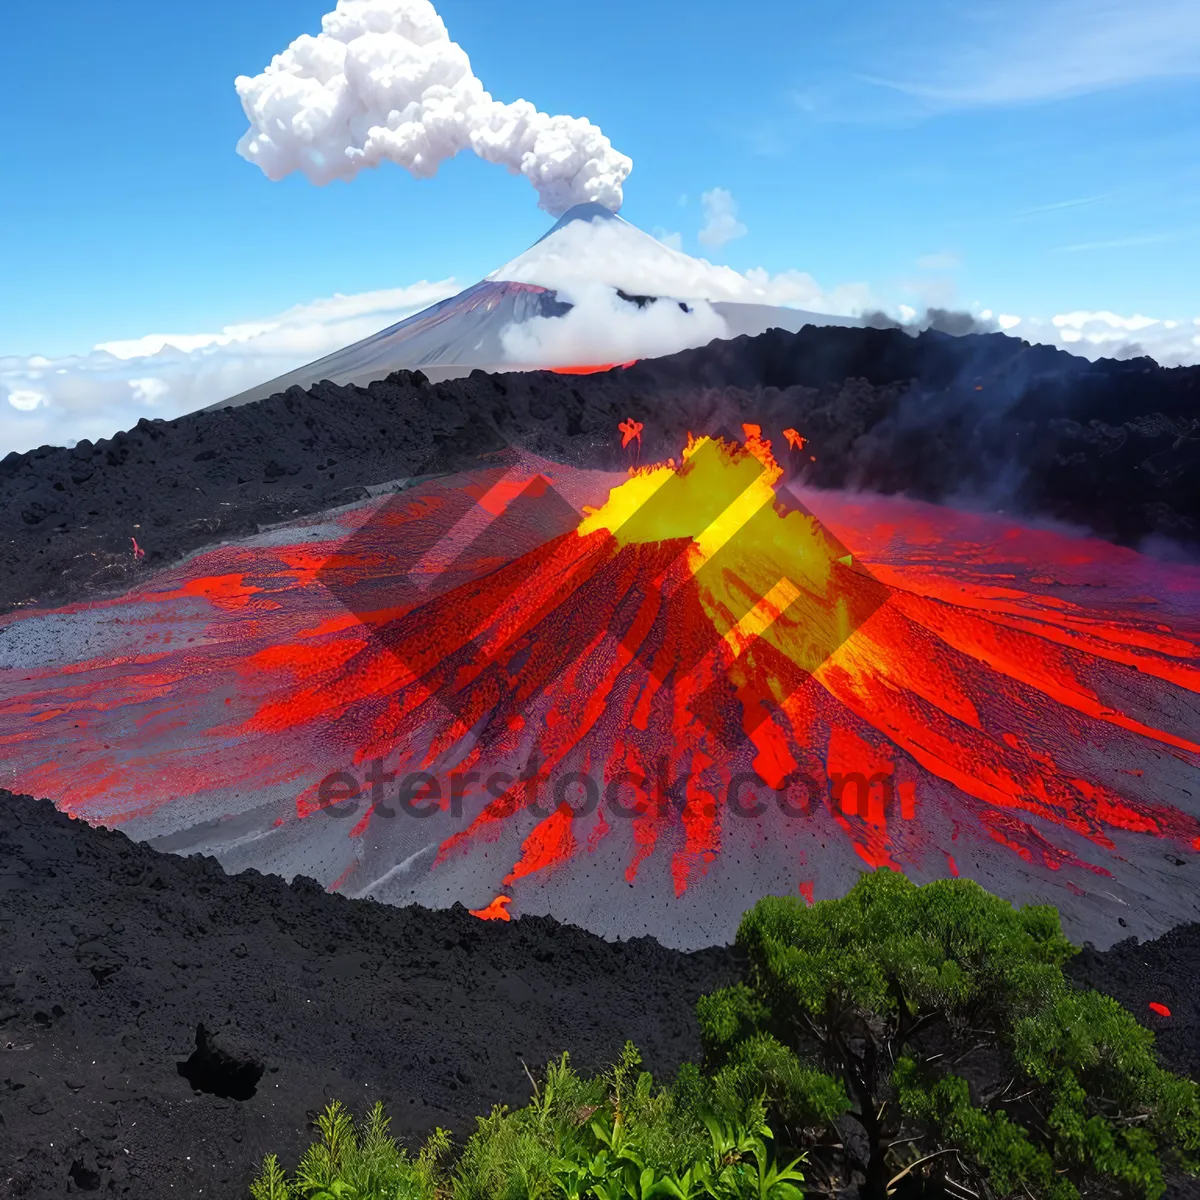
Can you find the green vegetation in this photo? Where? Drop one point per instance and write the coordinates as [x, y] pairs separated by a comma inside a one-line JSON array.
[[938, 1020], [899, 1036], [608, 1138]]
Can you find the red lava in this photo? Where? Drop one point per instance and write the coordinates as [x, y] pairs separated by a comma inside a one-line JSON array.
[[925, 667], [594, 370], [496, 911]]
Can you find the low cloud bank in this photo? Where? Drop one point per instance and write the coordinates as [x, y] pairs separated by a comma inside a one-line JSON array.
[[47, 401], [1092, 335], [93, 395]]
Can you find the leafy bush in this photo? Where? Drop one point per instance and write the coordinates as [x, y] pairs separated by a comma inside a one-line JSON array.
[[609, 1138], [901, 1037], [938, 1020], [349, 1164]]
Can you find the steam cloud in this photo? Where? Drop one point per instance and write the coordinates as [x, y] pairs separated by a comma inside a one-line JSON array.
[[721, 222], [382, 81], [603, 328]]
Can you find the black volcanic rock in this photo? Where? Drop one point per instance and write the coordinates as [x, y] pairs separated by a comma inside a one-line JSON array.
[[1111, 446], [237, 1006], [221, 1069]]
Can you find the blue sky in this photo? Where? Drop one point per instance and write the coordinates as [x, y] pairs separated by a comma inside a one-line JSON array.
[[1034, 157]]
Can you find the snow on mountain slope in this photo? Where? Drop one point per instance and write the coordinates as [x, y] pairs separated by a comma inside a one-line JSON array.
[[594, 290]]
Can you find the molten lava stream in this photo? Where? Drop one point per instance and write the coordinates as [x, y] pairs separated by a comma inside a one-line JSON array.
[[640, 701]]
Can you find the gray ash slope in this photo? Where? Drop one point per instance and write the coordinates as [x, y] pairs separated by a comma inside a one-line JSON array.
[[1110, 446], [112, 954]]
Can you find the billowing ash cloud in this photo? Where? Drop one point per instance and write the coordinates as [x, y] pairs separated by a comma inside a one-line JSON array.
[[383, 81]]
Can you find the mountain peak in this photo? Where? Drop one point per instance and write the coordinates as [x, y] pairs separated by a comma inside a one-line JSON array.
[[588, 211]]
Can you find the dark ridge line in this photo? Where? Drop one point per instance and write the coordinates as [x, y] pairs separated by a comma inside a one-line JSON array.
[[1112, 447]]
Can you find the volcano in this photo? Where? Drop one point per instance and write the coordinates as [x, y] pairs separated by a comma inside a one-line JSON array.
[[588, 246], [638, 700]]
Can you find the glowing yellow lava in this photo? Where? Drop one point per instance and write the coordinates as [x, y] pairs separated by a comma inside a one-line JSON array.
[[762, 570], [625, 500]]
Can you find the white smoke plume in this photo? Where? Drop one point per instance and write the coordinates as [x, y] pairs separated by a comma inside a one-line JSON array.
[[383, 81], [601, 328]]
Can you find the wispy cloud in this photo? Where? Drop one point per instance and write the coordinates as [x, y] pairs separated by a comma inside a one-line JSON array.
[[1031, 51], [721, 224], [1148, 239], [1060, 205], [930, 291], [762, 137]]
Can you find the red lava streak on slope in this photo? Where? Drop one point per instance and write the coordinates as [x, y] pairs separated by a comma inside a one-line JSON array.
[[496, 911], [696, 648], [550, 844], [592, 370]]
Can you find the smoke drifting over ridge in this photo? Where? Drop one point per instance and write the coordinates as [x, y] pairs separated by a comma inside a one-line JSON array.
[[384, 81], [941, 320]]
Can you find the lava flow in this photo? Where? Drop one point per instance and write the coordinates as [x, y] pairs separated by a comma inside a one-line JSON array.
[[639, 703]]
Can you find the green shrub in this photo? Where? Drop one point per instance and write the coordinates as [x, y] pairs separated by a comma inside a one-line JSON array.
[[349, 1164], [938, 1019], [615, 1137]]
